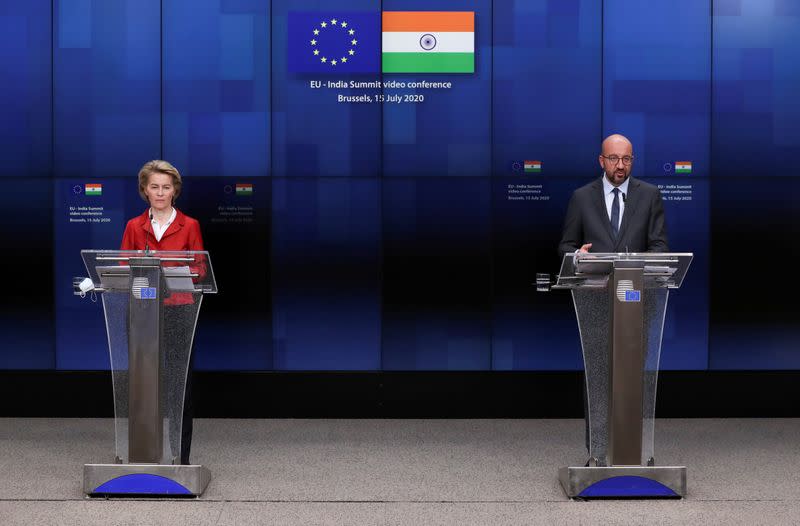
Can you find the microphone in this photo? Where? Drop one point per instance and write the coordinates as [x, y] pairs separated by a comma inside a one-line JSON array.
[[146, 234], [624, 197]]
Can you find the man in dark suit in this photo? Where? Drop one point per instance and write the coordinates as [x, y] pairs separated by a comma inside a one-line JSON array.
[[616, 212]]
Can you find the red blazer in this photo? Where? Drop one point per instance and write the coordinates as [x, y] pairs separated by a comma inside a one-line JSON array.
[[182, 234]]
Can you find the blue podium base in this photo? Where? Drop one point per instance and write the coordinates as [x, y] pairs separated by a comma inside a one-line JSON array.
[[145, 480], [621, 482]]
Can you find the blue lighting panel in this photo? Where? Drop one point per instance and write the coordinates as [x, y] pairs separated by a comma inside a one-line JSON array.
[[530, 330], [81, 341], [436, 269], [546, 86], [657, 82], [217, 87], [25, 89], [26, 313], [234, 332], [326, 274], [756, 118], [107, 87]]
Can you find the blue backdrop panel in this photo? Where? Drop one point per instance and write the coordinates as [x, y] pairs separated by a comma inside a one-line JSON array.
[[326, 274], [217, 87], [546, 86], [81, 341], [25, 88], [436, 269], [107, 99], [26, 312], [754, 323], [684, 345], [234, 331], [531, 330], [313, 133], [756, 81], [450, 132], [411, 271], [657, 81]]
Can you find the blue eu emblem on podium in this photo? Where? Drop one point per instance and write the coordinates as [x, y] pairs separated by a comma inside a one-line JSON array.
[[633, 295]]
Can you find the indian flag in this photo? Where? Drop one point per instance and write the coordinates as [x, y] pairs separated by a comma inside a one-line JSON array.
[[428, 42], [533, 166], [244, 189], [683, 167], [94, 189]]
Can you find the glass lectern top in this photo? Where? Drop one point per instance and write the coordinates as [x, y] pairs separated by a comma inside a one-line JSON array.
[[591, 270], [184, 270]]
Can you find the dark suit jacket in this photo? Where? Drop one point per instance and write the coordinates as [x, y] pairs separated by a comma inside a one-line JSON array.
[[642, 228]]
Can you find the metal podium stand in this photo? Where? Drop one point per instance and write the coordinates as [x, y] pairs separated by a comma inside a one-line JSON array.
[[620, 302], [151, 302]]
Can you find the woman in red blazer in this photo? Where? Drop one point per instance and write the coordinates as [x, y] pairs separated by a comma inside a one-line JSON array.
[[164, 227], [161, 227]]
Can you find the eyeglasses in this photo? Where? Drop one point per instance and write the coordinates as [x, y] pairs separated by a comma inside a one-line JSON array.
[[614, 159]]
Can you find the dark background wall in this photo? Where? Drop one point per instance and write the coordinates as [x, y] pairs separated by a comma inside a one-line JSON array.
[[382, 237]]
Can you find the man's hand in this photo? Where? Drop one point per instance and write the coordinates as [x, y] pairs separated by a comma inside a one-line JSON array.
[[585, 248]]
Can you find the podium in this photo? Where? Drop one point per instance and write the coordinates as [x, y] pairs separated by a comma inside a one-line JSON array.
[[620, 302], [151, 302]]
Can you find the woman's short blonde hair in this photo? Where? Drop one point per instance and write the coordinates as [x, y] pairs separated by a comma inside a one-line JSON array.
[[162, 167]]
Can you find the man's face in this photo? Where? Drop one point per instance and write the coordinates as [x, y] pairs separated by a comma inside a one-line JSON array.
[[618, 150]]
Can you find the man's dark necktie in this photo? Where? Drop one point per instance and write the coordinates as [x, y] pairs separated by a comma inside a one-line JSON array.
[[615, 213]]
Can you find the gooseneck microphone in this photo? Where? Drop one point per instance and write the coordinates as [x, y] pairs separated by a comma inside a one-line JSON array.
[[147, 235]]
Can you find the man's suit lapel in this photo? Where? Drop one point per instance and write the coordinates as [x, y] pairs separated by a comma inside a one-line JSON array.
[[599, 198], [631, 203]]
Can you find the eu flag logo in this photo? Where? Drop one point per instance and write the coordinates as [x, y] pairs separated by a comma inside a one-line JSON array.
[[331, 42], [633, 295], [148, 293]]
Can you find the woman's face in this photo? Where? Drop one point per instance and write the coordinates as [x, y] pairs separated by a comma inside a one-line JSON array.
[[159, 191]]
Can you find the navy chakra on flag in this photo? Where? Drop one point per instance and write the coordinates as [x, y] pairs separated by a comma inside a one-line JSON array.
[[427, 42], [328, 45]]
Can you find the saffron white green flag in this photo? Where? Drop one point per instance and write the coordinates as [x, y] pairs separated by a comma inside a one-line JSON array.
[[244, 189], [533, 166], [683, 167], [428, 42]]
